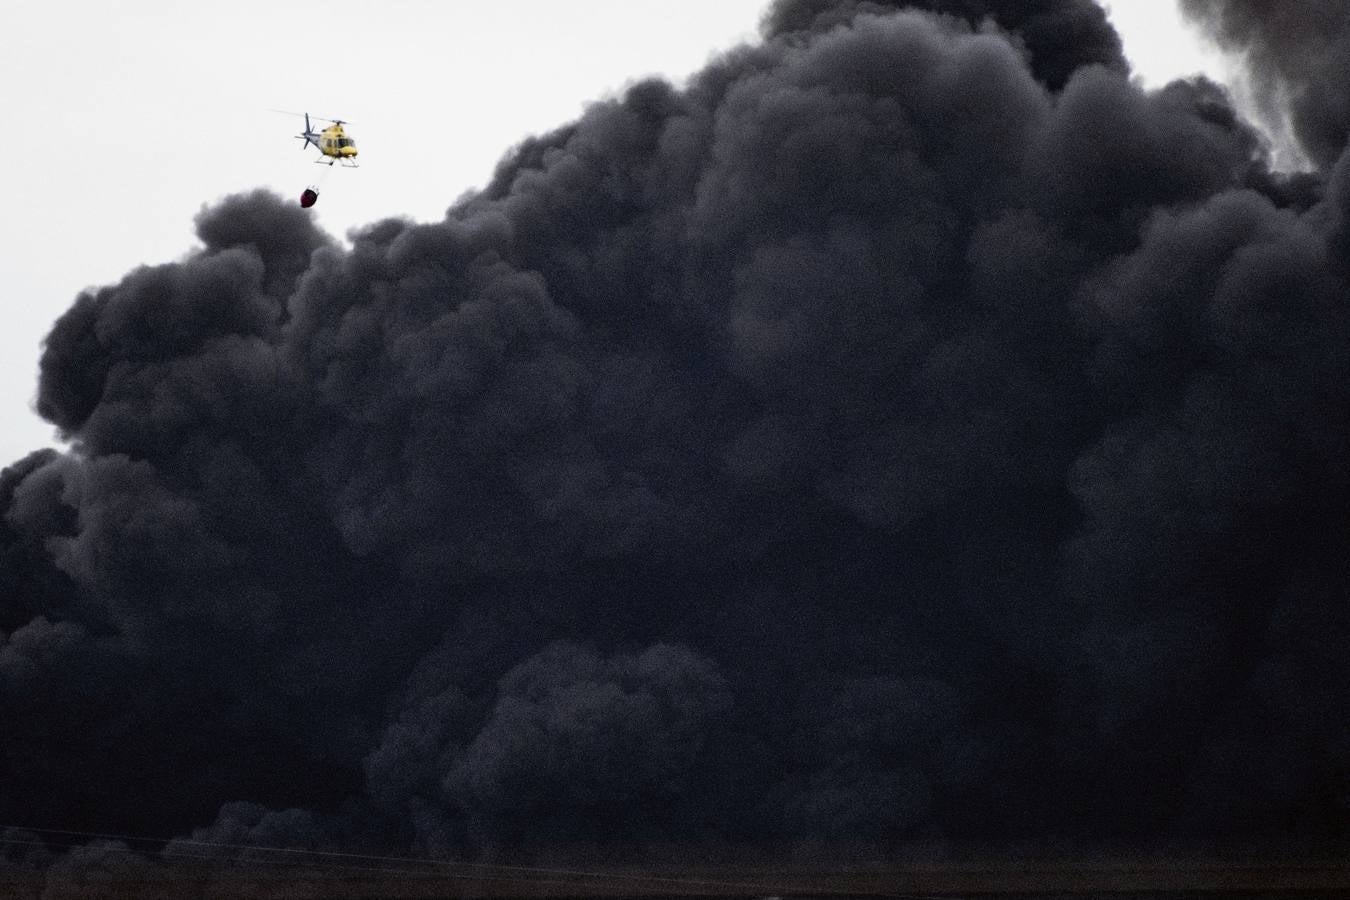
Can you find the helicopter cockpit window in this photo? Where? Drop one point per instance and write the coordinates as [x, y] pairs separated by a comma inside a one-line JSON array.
[[344, 142]]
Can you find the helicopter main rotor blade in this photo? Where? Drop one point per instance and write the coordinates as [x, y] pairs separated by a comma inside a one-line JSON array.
[[287, 112]]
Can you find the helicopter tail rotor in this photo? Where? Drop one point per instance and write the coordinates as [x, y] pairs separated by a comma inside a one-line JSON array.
[[308, 136]]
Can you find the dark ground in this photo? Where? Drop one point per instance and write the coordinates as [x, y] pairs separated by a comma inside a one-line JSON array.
[[1138, 882]]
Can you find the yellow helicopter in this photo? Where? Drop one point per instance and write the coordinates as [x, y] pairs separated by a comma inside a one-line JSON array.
[[332, 142]]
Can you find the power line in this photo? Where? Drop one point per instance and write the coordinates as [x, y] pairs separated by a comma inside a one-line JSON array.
[[296, 858]]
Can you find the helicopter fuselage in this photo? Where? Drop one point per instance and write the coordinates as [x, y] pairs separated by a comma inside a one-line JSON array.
[[333, 143]]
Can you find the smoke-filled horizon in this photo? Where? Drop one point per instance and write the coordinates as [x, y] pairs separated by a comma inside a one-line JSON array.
[[910, 431]]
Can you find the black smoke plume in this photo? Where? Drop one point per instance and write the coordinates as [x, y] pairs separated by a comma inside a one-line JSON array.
[[909, 431], [1296, 55]]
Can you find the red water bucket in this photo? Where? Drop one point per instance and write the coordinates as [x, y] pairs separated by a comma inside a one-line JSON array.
[[309, 197]]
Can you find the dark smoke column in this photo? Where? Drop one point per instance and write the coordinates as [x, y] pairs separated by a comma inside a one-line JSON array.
[[1059, 36], [911, 431], [1297, 57]]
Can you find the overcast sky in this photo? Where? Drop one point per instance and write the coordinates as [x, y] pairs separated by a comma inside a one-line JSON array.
[[125, 117]]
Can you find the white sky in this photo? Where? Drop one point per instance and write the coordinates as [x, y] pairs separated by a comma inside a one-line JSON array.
[[125, 116], [1160, 44]]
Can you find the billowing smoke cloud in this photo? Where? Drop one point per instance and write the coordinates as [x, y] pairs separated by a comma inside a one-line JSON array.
[[1296, 55], [911, 430], [1057, 36]]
